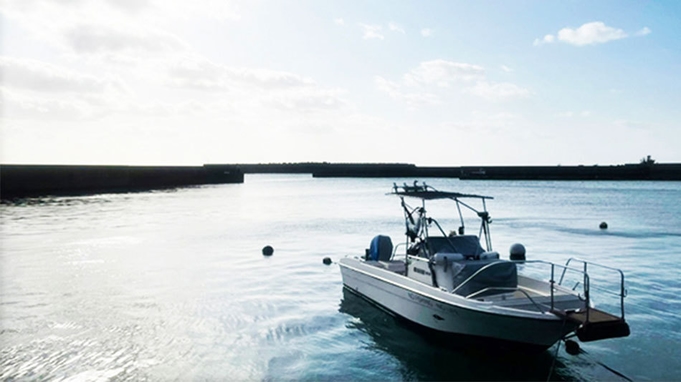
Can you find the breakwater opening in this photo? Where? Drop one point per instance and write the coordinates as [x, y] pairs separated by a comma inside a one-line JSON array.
[[40, 180]]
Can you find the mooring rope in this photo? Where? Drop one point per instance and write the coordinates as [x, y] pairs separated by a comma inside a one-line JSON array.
[[610, 369], [582, 351], [553, 363], [555, 355]]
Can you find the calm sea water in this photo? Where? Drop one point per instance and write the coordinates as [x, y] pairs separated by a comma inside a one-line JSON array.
[[172, 285]]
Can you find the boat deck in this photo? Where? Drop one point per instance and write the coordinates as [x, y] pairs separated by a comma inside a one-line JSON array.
[[597, 325], [595, 316]]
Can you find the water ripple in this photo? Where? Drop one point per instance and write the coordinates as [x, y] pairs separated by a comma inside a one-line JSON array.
[[173, 285]]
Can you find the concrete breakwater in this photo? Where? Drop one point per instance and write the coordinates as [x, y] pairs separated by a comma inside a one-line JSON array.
[[640, 171], [619, 172], [38, 180]]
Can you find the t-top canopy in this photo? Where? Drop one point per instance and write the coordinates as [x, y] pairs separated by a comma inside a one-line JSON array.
[[429, 193]]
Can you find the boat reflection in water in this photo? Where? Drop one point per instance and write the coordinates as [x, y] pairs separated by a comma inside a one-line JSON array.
[[430, 355]]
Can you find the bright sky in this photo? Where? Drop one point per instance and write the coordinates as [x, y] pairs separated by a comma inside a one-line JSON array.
[[427, 82]]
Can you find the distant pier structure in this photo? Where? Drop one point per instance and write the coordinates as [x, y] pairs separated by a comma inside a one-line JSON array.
[[40, 180]]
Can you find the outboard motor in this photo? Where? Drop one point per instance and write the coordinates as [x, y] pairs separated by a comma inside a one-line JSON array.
[[381, 249]]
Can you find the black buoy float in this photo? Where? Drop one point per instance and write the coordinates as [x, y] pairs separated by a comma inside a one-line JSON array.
[[327, 261], [267, 250], [603, 225], [571, 347]]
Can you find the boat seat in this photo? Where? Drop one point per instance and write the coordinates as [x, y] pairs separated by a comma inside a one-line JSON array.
[[467, 245], [503, 274]]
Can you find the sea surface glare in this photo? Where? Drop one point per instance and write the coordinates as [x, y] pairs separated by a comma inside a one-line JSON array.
[[172, 285]]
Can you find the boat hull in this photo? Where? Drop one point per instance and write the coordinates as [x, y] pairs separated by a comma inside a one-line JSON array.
[[449, 314]]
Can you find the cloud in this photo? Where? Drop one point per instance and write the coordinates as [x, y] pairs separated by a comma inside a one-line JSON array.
[[20, 105], [443, 73], [391, 88], [28, 74], [375, 32], [431, 81], [497, 91], [99, 38], [98, 26], [199, 73], [506, 69], [221, 10], [570, 114], [395, 27], [372, 32], [254, 88], [132, 6], [633, 125], [339, 21], [546, 40], [410, 97], [588, 34], [307, 100], [426, 32], [644, 31]]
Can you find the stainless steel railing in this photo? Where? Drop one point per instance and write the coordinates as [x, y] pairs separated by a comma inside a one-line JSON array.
[[585, 264], [552, 281]]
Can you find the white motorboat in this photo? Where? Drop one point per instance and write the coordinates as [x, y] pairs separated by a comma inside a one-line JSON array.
[[448, 283]]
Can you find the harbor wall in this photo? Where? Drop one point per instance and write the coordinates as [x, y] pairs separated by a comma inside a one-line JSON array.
[[38, 180], [640, 171], [366, 170]]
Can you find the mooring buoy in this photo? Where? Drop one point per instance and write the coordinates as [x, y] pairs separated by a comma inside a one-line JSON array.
[[327, 261], [603, 225], [267, 250]]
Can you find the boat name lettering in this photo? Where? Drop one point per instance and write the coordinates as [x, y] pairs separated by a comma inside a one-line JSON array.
[[420, 299], [421, 271]]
